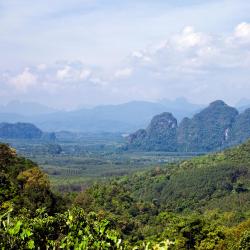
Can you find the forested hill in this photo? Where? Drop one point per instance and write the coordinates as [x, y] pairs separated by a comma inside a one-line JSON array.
[[216, 127], [220, 180], [33, 217], [202, 203], [23, 131]]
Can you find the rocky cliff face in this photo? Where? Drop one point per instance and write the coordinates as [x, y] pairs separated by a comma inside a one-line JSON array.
[[207, 130], [215, 127], [160, 134], [240, 131], [137, 139]]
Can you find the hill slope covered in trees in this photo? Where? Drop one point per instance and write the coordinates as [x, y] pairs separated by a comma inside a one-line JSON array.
[[197, 204], [202, 203]]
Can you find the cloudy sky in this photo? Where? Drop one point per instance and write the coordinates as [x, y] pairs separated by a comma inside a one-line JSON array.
[[70, 53]]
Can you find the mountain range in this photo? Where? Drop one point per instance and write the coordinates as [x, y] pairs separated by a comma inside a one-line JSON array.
[[213, 128], [122, 118]]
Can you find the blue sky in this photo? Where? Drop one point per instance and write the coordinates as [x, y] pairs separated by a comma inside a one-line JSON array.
[[86, 52]]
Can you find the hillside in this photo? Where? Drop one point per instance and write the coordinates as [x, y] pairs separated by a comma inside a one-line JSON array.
[[197, 204], [23, 131], [202, 203], [33, 217], [23, 184], [206, 181], [216, 127]]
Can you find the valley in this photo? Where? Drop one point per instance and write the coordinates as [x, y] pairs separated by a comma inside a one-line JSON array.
[[77, 163]]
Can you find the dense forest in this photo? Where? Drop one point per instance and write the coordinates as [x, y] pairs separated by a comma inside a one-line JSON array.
[[202, 203]]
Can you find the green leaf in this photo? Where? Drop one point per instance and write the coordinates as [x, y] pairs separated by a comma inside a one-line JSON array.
[[31, 244], [15, 230]]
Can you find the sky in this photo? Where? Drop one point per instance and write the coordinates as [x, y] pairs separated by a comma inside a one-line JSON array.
[[78, 53]]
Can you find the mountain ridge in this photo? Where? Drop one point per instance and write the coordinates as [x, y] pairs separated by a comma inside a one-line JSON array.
[[213, 128], [121, 118]]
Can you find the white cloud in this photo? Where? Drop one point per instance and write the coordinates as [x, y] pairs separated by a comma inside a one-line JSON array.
[[191, 51], [141, 56], [65, 73], [84, 74], [243, 31], [190, 63], [189, 39], [195, 64], [23, 81], [240, 36], [123, 73], [73, 74]]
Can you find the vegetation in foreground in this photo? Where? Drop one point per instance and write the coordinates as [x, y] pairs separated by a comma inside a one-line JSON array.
[[197, 204]]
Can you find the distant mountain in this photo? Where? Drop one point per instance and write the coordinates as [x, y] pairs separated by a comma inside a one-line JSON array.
[[126, 115], [123, 118], [23, 131], [181, 107], [25, 108], [215, 127]]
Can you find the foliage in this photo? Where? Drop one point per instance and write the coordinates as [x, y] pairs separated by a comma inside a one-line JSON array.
[[202, 203], [194, 204], [71, 230], [23, 184]]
